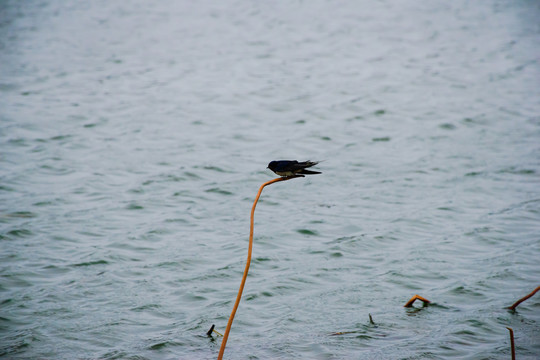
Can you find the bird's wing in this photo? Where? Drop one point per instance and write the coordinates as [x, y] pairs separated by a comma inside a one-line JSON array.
[[305, 164]]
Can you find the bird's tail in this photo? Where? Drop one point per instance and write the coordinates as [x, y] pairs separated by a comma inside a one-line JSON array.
[[308, 172]]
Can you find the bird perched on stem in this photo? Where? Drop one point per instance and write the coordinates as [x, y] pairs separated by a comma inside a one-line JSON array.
[[292, 167]]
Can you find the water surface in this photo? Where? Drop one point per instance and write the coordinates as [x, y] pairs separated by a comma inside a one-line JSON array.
[[134, 137]]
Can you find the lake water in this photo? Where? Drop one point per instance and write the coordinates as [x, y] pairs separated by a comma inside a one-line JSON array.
[[134, 137]]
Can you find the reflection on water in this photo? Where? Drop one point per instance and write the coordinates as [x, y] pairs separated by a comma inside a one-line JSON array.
[[133, 138]]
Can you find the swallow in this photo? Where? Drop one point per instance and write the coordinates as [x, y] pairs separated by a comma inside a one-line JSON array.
[[292, 167]]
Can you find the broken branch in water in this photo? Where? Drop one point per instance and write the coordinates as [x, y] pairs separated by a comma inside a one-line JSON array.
[[414, 298]]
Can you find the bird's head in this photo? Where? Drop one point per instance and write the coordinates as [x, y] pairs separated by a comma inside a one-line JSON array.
[[272, 165]]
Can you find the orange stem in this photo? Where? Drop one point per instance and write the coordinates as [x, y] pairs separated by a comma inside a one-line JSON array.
[[414, 298], [239, 296], [513, 307]]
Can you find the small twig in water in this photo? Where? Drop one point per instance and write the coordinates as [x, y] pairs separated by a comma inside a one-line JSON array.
[[209, 332], [512, 347], [414, 298]]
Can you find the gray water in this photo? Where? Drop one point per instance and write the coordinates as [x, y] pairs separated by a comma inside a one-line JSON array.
[[135, 135]]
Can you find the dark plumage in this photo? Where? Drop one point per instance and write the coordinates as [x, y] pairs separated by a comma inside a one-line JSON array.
[[292, 167]]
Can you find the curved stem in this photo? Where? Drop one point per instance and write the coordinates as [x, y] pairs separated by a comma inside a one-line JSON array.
[[513, 307], [248, 262]]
